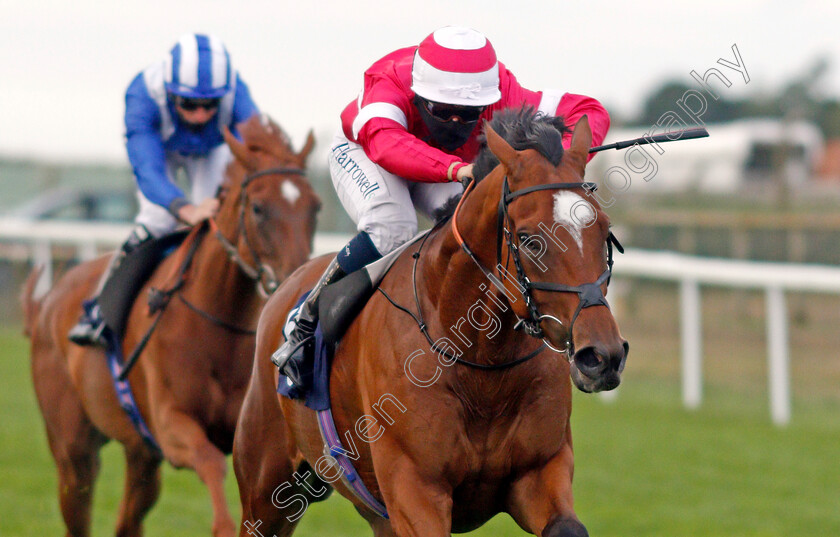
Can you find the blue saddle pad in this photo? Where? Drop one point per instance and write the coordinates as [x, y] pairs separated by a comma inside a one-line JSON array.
[[316, 374]]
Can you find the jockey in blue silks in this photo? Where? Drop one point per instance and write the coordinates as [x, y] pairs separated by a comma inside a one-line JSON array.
[[175, 111]]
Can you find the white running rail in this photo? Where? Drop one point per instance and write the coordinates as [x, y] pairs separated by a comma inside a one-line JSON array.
[[690, 272]]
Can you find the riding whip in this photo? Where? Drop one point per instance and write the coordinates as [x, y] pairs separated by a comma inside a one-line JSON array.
[[673, 136]]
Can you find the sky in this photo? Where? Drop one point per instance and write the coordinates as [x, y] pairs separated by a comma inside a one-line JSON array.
[[64, 66]]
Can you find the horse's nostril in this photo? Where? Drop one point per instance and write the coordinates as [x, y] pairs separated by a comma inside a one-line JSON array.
[[587, 359]]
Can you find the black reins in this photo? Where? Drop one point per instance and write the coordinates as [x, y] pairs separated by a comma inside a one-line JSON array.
[[589, 294], [260, 272], [421, 323], [159, 299]]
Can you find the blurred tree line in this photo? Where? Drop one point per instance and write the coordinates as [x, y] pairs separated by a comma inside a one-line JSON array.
[[798, 99]]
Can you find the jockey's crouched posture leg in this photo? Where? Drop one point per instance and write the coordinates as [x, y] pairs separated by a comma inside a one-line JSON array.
[[295, 353], [382, 205], [88, 331]]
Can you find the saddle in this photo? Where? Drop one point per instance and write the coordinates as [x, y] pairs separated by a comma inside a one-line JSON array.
[[125, 283], [115, 302], [338, 305], [341, 302]]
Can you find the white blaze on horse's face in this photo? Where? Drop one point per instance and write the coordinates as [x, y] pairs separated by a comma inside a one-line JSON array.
[[573, 213], [290, 191]]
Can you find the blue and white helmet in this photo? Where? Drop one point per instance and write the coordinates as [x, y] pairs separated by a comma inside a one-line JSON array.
[[198, 67]]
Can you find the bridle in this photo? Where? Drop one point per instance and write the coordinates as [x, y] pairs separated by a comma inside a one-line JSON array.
[[260, 272], [589, 294]]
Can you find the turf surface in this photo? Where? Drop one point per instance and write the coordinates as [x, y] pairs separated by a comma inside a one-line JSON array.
[[644, 466]]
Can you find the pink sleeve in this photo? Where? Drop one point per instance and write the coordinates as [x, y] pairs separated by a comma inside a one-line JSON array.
[[572, 107], [390, 145]]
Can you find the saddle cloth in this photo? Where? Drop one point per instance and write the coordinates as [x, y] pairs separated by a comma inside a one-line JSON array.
[[338, 305], [119, 293], [342, 301], [316, 372]]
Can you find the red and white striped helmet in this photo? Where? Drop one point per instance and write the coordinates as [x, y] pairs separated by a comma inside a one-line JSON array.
[[456, 65]]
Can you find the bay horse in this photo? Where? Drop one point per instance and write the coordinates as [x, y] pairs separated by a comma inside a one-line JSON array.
[[445, 446], [191, 377]]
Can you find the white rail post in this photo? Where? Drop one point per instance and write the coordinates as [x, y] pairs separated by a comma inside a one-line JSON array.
[[778, 356], [42, 256], [692, 358], [86, 250]]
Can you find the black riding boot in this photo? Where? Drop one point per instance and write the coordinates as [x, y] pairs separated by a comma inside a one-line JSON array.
[[291, 355], [88, 331]]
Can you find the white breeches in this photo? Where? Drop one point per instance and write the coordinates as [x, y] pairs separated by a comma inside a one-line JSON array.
[[204, 175], [379, 202]]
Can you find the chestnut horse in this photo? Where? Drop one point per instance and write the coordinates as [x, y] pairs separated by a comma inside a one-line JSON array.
[[190, 380], [442, 445]]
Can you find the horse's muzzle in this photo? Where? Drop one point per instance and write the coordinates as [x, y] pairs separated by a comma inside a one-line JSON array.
[[598, 368]]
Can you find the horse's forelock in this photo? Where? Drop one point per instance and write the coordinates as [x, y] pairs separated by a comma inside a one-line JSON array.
[[523, 128], [261, 133]]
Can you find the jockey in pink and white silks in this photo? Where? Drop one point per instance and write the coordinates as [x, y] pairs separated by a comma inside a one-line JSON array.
[[175, 111], [408, 141]]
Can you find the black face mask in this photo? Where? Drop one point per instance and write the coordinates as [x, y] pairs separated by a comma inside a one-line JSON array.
[[447, 135], [195, 127]]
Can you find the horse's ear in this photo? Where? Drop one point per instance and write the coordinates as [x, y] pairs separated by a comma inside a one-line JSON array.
[[581, 142], [239, 150], [506, 154], [307, 148]]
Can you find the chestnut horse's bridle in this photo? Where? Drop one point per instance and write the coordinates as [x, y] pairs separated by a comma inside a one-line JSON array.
[[260, 272], [159, 299], [589, 294]]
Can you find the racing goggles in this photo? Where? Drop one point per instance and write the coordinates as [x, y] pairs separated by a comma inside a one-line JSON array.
[[191, 105], [452, 112]]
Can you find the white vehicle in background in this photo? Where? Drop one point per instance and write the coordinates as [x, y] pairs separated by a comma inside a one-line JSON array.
[[79, 205], [740, 156]]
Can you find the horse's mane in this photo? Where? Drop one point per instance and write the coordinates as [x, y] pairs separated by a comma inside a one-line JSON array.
[[523, 128], [262, 134]]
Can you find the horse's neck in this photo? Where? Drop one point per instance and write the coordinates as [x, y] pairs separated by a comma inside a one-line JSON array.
[[219, 285], [471, 311]]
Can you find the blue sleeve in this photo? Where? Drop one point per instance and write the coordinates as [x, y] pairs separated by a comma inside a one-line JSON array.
[[243, 106], [145, 146]]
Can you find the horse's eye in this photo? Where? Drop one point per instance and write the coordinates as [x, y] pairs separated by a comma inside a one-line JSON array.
[[525, 240], [258, 210]]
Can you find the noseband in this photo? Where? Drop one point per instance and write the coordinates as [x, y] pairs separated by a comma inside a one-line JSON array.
[[589, 294], [260, 272]]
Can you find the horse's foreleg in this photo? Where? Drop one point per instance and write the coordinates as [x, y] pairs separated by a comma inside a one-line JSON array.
[[416, 508], [142, 488], [264, 470], [185, 444], [381, 527], [541, 500]]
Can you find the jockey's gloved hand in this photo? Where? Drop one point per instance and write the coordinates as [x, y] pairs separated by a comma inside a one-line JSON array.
[[465, 175], [193, 214]]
